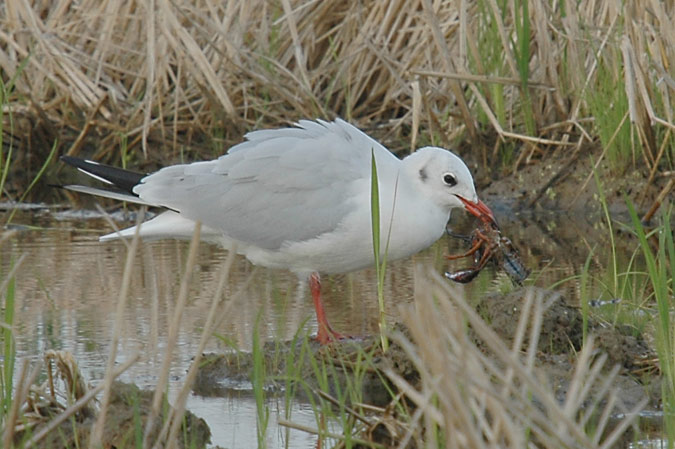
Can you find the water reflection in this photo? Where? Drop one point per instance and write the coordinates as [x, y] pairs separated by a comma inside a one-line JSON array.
[[67, 292]]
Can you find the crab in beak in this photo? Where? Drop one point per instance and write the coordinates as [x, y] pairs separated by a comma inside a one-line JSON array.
[[487, 243]]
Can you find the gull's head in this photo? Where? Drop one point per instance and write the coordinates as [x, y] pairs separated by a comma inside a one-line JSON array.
[[445, 179]]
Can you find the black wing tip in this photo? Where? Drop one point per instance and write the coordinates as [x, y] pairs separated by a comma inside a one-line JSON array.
[[79, 162], [69, 159], [72, 160], [123, 179]]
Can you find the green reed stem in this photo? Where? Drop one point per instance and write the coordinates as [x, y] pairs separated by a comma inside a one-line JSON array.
[[379, 266]]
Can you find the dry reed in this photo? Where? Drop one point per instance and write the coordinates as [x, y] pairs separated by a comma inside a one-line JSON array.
[[479, 395], [174, 73], [123, 295], [172, 340]]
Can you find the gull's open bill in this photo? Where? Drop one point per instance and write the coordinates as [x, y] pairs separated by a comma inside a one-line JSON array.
[[478, 209]]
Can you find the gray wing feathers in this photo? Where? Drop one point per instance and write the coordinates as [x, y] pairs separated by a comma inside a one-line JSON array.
[[278, 186]]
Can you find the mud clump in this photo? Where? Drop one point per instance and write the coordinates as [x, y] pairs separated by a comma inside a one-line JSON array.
[[223, 374], [127, 405], [561, 339], [562, 328], [128, 401]]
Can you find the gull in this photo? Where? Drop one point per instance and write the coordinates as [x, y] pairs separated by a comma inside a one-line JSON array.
[[299, 198]]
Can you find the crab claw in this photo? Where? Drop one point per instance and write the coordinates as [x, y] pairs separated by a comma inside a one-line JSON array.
[[479, 209]]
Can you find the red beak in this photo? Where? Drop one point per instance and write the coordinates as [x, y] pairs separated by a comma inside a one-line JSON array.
[[479, 209]]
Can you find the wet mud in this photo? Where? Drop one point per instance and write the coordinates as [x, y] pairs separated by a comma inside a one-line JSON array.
[[560, 181], [126, 417], [561, 338], [223, 374], [558, 345]]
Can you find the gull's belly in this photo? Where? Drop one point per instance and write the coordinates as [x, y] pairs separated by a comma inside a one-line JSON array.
[[349, 247]]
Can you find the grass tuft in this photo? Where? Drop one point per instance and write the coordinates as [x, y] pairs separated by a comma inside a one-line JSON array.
[[661, 271], [609, 105]]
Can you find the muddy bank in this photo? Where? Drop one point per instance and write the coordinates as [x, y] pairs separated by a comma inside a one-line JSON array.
[[565, 182], [559, 343], [125, 422], [289, 365]]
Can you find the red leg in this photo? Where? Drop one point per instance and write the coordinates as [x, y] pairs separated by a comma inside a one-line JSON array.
[[326, 333]]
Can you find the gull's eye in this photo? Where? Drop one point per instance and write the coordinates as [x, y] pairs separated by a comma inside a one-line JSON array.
[[450, 179]]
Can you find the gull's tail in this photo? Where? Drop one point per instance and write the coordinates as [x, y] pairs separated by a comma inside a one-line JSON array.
[[122, 181]]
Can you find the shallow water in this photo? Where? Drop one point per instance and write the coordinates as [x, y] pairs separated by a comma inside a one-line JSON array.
[[68, 286]]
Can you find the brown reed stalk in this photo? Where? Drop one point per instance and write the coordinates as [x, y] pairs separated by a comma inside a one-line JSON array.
[[488, 395], [175, 75]]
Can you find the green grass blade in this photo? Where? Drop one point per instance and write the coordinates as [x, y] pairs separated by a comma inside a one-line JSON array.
[[4, 160], [584, 295], [258, 382], [5, 91], [379, 267], [608, 218], [522, 54], [8, 347], [36, 179]]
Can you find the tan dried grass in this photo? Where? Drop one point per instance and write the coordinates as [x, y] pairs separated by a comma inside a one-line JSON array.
[[489, 395], [164, 71]]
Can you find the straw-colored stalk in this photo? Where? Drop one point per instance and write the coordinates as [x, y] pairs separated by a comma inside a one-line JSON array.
[[490, 395], [165, 72]]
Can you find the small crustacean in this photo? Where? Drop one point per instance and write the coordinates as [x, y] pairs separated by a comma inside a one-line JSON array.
[[488, 244]]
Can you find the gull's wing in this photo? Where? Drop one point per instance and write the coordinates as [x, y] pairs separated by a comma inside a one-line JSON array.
[[285, 185]]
